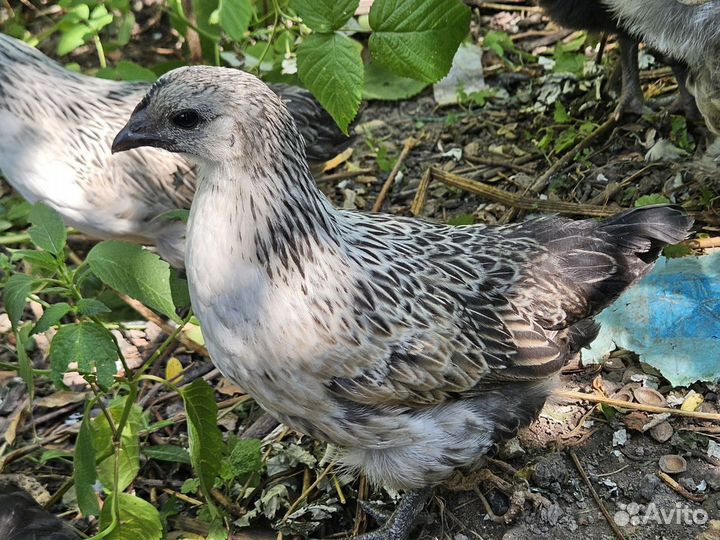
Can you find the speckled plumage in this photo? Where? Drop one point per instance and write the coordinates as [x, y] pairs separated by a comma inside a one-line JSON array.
[[57, 127], [412, 346]]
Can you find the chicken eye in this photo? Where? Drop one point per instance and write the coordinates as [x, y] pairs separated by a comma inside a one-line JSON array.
[[186, 119]]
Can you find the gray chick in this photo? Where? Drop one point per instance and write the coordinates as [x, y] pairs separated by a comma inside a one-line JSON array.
[[596, 16], [412, 346], [685, 29], [57, 126]]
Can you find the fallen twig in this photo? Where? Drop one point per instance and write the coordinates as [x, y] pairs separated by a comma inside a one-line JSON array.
[[594, 398], [703, 243], [595, 496], [407, 147], [677, 488], [519, 202], [526, 203], [304, 495], [495, 162]]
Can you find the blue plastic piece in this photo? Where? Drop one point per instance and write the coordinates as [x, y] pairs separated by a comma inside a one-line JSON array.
[[671, 318]]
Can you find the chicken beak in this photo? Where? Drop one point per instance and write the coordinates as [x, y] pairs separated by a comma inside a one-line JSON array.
[[134, 135]]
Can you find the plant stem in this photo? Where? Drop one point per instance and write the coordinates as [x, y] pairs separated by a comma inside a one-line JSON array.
[[276, 8], [162, 348], [17, 238], [100, 51]]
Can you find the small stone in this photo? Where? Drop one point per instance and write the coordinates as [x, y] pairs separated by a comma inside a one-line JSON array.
[[647, 487], [688, 483]]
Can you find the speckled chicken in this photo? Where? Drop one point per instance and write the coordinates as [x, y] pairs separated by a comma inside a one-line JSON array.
[[595, 16], [57, 126], [412, 346], [21, 518]]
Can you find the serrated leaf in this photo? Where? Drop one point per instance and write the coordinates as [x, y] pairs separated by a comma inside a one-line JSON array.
[[138, 519], [135, 271], [52, 316], [84, 471], [17, 288], [245, 458], [331, 68], [167, 452], [91, 307], [89, 344], [234, 17], [48, 231], [325, 15], [205, 439], [418, 39], [129, 462]]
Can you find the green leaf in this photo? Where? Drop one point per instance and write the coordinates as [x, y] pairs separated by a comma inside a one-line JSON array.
[[48, 231], [52, 316], [89, 344], [325, 15], [206, 444], [127, 71], [245, 458], [654, 198], [179, 214], [234, 17], [561, 115], [84, 471], [17, 288], [138, 519], [565, 140], [91, 307], [383, 84], [167, 452], [129, 462], [100, 18], [135, 271], [331, 68], [677, 251], [462, 219], [498, 42], [418, 39], [180, 290], [37, 259], [72, 38]]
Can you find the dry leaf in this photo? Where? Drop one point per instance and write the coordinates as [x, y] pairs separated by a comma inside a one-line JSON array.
[[173, 371], [60, 399]]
